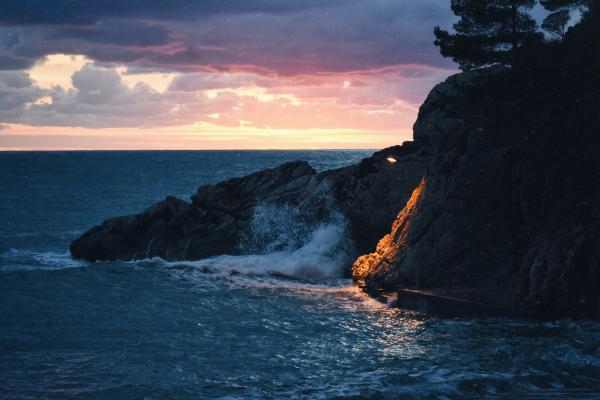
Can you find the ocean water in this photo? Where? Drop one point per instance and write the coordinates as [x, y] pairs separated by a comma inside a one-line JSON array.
[[279, 323]]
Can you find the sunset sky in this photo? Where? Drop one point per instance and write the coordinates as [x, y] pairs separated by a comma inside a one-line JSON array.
[[215, 74]]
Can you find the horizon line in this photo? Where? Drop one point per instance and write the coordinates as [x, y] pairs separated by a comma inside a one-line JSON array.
[[165, 150]]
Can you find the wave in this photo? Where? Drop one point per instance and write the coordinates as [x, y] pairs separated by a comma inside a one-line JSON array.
[[61, 234], [322, 256], [307, 240], [14, 259], [290, 241]]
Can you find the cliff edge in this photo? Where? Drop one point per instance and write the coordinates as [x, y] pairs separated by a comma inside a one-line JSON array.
[[508, 212]]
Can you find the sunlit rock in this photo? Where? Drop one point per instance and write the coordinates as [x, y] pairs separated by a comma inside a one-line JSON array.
[[510, 213], [390, 246]]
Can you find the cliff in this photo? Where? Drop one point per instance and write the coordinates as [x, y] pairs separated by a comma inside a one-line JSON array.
[[508, 212], [506, 208]]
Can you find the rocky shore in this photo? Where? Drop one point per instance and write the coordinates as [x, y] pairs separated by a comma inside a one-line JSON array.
[[368, 194], [507, 213], [497, 200]]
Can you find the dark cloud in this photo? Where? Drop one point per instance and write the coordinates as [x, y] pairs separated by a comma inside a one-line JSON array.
[[114, 32], [9, 38], [84, 12], [8, 62], [16, 92], [277, 36]]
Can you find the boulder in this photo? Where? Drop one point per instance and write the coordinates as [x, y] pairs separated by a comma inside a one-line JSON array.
[[219, 217], [177, 230]]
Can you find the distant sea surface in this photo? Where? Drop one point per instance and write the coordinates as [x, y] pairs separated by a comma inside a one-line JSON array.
[[246, 327]]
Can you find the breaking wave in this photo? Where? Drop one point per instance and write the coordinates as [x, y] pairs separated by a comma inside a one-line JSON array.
[[14, 259], [308, 240], [321, 256]]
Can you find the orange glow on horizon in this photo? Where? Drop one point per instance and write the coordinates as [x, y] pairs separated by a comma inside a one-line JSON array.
[[193, 137], [86, 106]]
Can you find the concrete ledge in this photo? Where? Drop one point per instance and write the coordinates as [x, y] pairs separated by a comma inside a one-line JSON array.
[[449, 307]]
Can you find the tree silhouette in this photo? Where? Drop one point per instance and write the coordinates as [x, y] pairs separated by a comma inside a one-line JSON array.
[[556, 23], [488, 32], [555, 5]]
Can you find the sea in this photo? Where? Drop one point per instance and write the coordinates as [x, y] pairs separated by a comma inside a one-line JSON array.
[[255, 326]]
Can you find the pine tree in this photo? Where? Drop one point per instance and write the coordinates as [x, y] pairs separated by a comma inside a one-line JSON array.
[[488, 32], [555, 5], [560, 14], [556, 23]]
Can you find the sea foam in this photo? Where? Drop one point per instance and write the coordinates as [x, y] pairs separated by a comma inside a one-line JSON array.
[[308, 240]]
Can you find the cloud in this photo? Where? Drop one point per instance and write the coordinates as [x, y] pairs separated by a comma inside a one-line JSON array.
[[99, 98], [113, 32], [69, 12], [264, 64], [210, 81], [16, 92], [266, 36]]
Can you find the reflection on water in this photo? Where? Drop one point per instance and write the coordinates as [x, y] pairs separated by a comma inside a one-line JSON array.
[[227, 328], [152, 329]]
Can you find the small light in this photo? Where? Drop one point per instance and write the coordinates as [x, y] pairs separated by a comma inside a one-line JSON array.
[[391, 160]]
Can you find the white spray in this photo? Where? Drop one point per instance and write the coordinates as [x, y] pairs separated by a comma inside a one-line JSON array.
[[308, 240]]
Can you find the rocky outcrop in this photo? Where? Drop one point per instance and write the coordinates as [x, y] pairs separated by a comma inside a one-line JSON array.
[[509, 214], [371, 193], [368, 194], [391, 248], [176, 230]]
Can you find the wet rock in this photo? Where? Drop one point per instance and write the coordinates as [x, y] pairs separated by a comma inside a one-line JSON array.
[[239, 196], [510, 211], [177, 230], [391, 247], [368, 194], [371, 193]]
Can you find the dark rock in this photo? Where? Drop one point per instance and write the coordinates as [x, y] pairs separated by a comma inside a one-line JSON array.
[[368, 194], [176, 230], [239, 196], [371, 193], [509, 211]]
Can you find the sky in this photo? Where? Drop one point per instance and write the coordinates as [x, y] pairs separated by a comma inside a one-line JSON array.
[[216, 74]]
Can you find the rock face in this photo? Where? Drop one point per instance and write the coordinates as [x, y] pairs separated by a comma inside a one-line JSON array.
[[506, 208], [368, 194], [176, 230], [391, 248], [508, 212], [371, 193]]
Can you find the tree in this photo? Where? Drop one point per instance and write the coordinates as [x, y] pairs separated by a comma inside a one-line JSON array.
[[560, 14], [488, 32], [556, 23], [555, 5]]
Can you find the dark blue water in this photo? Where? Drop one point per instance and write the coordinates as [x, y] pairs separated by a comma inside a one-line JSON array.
[[231, 327]]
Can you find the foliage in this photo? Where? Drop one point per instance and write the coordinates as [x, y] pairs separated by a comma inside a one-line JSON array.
[[488, 32], [556, 23], [557, 5]]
